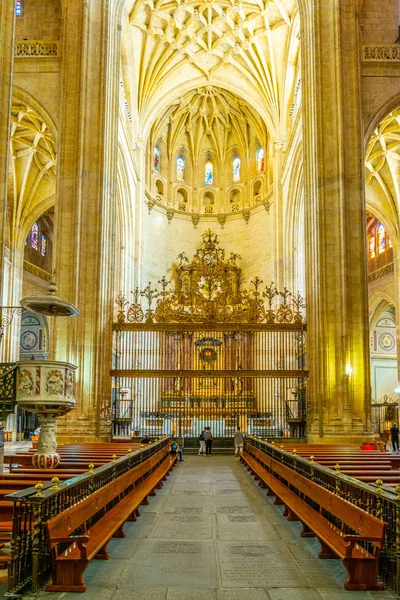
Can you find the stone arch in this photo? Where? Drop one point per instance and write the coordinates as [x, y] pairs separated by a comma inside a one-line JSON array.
[[208, 202], [389, 106], [182, 198], [257, 187], [159, 187]]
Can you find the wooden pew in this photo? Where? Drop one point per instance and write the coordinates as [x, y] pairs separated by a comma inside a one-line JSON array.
[[361, 566], [69, 565]]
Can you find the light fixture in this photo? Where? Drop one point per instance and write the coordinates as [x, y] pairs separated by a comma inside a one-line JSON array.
[[349, 370]]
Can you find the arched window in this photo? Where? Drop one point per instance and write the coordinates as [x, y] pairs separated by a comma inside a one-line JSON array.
[[43, 245], [209, 178], [35, 236], [18, 8], [156, 159], [236, 169], [180, 168], [381, 238], [260, 160], [372, 246]]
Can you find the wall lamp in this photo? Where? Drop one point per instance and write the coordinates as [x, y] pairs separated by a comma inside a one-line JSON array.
[[349, 370]]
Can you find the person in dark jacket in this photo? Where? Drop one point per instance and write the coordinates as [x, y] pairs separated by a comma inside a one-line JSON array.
[[208, 439], [394, 432], [202, 449]]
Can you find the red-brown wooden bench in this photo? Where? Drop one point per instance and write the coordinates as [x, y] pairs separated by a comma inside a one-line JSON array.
[[361, 565], [69, 564]]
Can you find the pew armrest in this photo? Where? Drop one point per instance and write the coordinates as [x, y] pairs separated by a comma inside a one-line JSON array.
[[81, 541], [71, 538], [352, 540]]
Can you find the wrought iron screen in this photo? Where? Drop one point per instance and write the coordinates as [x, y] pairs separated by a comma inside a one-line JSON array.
[[8, 389], [209, 353]]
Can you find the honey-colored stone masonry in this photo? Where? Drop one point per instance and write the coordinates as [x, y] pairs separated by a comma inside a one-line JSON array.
[[113, 77]]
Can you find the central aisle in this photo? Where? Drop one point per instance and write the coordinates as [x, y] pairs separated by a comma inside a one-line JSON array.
[[212, 534]]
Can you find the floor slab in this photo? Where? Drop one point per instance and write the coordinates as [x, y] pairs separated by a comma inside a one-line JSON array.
[[211, 533]]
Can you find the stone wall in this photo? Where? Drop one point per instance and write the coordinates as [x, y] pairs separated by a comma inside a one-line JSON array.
[[40, 20], [163, 241]]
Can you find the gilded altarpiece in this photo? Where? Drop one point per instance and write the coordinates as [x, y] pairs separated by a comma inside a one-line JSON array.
[[210, 352]]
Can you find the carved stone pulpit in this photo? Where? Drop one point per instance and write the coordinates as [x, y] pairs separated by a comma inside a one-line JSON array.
[[48, 389]]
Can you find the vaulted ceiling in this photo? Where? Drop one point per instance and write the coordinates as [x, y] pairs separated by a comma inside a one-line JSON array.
[[32, 171], [250, 48], [383, 172], [210, 119]]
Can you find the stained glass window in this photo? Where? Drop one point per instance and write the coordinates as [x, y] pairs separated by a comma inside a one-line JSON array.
[[180, 168], [260, 160], [381, 238], [156, 159], [236, 169], [18, 8], [43, 247], [209, 179], [35, 236], [372, 246]]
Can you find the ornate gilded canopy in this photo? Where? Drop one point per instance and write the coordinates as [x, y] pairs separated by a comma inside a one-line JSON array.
[[209, 289]]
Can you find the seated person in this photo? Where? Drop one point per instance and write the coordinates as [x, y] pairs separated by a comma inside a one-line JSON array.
[[176, 450], [367, 446], [34, 433], [145, 440]]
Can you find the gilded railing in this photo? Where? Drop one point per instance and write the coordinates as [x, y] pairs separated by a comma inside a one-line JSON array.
[[381, 501], [30, 556]]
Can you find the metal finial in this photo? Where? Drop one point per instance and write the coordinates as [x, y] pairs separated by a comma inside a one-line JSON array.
[[397, 490], [312, 459], [337, 468], [114, 458], [129, 450], [294, 451], [55, 481], [91, 467], [39, 487], [379, 483]]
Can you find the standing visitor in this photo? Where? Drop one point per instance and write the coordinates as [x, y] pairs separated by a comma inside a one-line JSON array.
[[238, 441], [202, 449], [395, 437], [208, 439]]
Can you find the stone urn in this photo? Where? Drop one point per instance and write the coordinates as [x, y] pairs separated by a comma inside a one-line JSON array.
[[46, 387]]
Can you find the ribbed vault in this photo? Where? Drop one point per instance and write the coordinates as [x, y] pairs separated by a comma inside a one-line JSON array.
[[249, 47], [383, 172], [32, 171], [210, 118]]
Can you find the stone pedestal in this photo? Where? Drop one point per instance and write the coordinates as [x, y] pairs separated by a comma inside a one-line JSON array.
[[48, 389]]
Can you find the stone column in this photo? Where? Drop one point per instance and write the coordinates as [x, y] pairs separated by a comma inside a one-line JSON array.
[[278, 211], [7, 28], [85, 209], [336, 274]]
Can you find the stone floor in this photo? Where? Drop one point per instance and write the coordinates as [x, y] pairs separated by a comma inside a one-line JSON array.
[[212, 534]]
